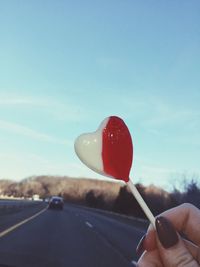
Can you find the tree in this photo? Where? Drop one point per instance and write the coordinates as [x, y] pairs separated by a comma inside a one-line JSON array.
[[192, 193]]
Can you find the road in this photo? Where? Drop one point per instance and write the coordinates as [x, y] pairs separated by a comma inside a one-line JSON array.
[[74, 237]]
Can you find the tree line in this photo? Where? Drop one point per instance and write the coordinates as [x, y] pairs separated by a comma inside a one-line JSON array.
[[107, 195]]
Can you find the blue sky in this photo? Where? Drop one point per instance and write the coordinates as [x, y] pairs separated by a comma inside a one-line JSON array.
[[66, 65]]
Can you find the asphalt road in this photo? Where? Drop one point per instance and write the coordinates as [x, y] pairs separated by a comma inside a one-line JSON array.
[[12, 202], [74, 237]]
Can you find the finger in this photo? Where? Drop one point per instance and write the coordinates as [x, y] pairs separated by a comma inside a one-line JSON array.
[[193, 249], [187, 221], [150, 244], [177, 256], [171, 247], [150, 259], [150, 239]]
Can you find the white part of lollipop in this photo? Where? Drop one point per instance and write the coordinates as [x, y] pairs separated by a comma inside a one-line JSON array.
[[141, 202], [88, 148]]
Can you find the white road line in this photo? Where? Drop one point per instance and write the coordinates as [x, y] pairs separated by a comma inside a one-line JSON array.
[[89, 224], [10, 229]]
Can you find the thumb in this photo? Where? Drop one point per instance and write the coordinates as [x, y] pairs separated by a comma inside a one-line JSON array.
[[171, 247]]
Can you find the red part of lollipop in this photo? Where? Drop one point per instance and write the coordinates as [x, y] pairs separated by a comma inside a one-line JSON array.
[[117, 149]]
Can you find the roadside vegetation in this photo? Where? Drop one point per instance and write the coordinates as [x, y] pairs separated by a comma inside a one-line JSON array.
[[99, 194]]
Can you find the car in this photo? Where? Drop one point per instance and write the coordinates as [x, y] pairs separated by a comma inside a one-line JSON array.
[[46, 200], [56, 203]]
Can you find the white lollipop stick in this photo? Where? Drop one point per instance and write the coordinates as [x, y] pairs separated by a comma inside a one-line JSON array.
[[141, 202]]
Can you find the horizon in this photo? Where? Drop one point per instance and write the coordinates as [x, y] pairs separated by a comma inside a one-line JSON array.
[[176, 186], [65, 67]]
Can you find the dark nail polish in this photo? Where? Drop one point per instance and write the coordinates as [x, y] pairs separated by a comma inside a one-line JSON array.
[[140, 247], [166, 232]]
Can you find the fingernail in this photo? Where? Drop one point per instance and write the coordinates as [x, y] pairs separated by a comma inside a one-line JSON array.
[[140, 247], [166, 232]]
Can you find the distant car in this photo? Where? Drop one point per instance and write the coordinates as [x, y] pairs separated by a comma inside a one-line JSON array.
[[56, 203], [47, 199]]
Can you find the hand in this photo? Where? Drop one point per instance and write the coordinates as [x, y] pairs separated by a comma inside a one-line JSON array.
[[164, 247]]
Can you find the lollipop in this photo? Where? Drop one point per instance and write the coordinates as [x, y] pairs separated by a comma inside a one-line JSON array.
[[109, 151]]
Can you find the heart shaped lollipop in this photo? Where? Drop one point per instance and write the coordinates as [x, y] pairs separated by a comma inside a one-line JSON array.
[[109, 151]]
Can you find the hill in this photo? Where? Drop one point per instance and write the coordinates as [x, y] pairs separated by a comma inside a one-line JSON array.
[[109, 195]]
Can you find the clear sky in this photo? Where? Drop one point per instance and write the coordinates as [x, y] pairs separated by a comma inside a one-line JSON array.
[[66, 65]]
